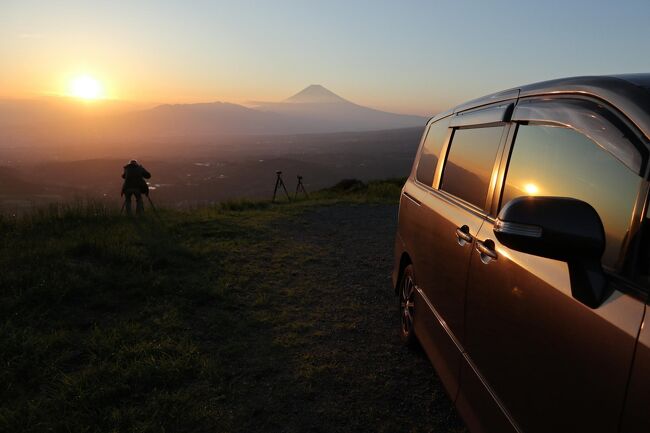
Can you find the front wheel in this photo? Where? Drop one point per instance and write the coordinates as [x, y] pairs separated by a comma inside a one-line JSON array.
[[406, 295]]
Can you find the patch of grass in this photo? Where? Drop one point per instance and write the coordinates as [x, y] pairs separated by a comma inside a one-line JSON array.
[[243, 204], [230, 318], [354, 190]]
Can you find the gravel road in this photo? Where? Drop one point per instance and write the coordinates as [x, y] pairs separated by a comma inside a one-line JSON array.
[[361, 378]]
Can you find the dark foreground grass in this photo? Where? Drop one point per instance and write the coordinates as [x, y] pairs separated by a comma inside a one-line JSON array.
[[241, 317]]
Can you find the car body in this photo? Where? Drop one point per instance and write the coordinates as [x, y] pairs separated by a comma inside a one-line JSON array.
[[521, 256]]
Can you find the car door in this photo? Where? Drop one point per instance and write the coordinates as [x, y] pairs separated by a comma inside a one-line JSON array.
[[636, 417], [533, 352], [443, 219]]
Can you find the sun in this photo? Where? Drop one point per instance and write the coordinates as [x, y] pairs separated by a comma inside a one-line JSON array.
[[86, 87], [531, 189]]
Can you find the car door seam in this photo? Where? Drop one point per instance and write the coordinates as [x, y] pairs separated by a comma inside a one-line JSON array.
[[469, 361], [413, 199], [621, 417]]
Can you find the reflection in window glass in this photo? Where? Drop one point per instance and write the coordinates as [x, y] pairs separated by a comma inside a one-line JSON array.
[[555, 161], [431, 151], [470, 162]]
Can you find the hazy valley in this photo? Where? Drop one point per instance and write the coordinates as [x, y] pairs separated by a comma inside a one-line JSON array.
[[197, 153]]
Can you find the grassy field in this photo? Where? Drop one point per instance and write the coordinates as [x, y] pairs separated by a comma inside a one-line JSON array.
[[242, 317]]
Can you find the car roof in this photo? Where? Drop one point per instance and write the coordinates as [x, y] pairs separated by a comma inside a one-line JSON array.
[[628, 93]]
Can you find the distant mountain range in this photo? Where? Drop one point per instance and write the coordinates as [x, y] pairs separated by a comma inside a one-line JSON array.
[[315, 109]]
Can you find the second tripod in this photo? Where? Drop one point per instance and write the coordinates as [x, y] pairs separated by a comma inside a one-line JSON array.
[[300, 187], [279, 183]]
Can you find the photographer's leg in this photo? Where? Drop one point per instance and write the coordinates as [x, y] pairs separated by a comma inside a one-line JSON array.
[[139, 206], [127, 202]]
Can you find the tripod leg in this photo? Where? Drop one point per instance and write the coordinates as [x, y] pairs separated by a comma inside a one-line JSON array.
[[285, 190], [152, 206], [275, 190]]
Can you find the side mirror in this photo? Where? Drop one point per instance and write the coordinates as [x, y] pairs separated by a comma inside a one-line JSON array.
[[563, 229]]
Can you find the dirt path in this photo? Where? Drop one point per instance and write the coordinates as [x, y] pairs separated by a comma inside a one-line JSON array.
[[326, 355]]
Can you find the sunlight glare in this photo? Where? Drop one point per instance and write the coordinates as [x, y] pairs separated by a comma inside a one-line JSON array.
[[531, 189], [86, 87]]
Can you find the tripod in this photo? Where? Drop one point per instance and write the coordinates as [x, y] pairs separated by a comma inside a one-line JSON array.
[[300, 188], [155, 211], [279, 182]]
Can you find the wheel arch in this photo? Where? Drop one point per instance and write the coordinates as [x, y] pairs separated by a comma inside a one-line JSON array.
[[404, 261]]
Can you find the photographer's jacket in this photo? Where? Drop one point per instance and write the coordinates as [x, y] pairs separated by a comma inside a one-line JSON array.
[[134, 178]]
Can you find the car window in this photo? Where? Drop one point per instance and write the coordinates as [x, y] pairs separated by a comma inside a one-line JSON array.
[[431, 151], [470, 162], [557, 161]]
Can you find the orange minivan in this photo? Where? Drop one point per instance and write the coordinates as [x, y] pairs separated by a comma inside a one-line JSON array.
[[522, 256]]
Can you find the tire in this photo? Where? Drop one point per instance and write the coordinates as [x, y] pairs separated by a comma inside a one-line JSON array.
[[406, 295]]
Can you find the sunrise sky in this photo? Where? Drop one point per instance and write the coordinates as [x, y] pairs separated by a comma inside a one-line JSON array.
[[408, 56]]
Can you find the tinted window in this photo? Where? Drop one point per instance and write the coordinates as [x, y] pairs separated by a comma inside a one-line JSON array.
[[470, 162], [555, 161], [431, 151]]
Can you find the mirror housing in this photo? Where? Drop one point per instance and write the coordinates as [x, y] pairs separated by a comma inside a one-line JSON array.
[[563, 229]]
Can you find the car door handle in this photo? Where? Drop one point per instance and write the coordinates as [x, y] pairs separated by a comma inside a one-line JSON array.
[[463, 236], [486, 251]]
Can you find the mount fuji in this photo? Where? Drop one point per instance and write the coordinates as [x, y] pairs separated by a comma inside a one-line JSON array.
[[317, 109], [315, 94]]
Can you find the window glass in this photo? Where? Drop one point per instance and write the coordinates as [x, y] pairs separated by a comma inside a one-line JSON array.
[[470, 162], [557, 161], [431, 151]]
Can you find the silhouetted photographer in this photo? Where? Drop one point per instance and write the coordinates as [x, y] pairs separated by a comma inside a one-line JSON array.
[[135, 185]]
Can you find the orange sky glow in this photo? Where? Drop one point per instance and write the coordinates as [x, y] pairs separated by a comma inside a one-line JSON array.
[[389, 56]]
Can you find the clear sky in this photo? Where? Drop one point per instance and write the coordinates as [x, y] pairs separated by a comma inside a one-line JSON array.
[[404, 56]]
